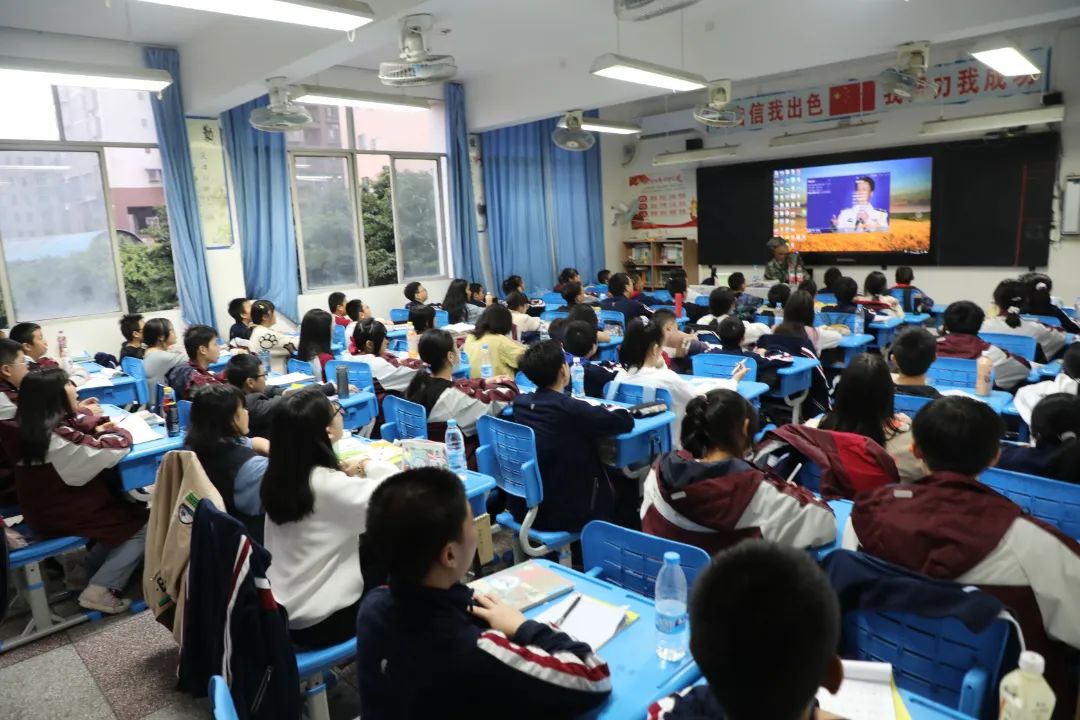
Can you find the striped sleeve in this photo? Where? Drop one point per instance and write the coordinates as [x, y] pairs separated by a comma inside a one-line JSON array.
[[78, 457], [789, 515]]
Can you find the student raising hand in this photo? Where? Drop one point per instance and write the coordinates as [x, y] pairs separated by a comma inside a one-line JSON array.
[[496, 614]]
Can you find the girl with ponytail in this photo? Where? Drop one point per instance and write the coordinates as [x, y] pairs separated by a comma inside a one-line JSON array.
[[1009, 298], [709, 495], [1038, 292], [1055, 428]]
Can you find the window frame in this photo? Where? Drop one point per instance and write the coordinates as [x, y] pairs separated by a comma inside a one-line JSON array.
[[351, 154], [76, 146]]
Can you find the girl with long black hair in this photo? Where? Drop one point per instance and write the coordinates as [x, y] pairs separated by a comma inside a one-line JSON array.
[[456, 303], [316, 330]]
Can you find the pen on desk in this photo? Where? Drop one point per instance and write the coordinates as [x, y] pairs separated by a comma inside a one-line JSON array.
[[573, 604]]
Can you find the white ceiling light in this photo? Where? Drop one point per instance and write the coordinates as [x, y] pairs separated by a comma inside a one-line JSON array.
[[997, 121], [605, 126], [627, 69], [686, 157], [342, 15], [51, 72], [37, 168], [1004, 58], [313, 95], [838, 132]]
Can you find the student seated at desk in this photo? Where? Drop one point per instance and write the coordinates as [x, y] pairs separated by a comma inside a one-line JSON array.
[[246, 371], [619, 288], [336, 303], [961, 324], [422, 319], [200, 342], [161, 355], [316, 511], [1066, 381], [429, 648], [579, 341], [577, 488], [131, 327], [764, 629], [390, 374], [795, 336], [358, 310], [913, 352], [36, 349], [265, 337], [602, 276], [642, 357], [235, 464], [513, 284], [12, 372], [777, 299], [829, 279], [464, 400], [1038, 290], [637, 285], [240, 312], [731, 332], [914, 300], [476, 295], [1009, 296], [746, 305], [573, 294], [315, 339], [679, 347], [415, 294], [456, 303], [1055, 429], [566, 276], [709, 496], [721, 303], [518, 305], [950, 526], [493, 330], [587, 314], [65, 479], [809, 287], [864, 406], [844, 289], [876, 298]]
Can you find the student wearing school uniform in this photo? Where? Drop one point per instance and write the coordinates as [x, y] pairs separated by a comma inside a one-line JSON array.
[[200, 343], [512, 284], [573, 294], [588, 314], [246, 371], [913, 351], [415, 294], [456, 303], [845, 290], [131, 327], [707, 495], [65, 462], [36, 349], [567, 276], [962, 323], [265, 337], [577, 488], [315, 339], [950, 526], [721, 305], [1055, 430], [1038, 290], [430, 648], [731, 331], [422, 319], [679, 346], [579, 341], [161, 353], [336, 301], [1009, 297], [316, 511], [357, 310], [1066, 381], [518, 305], [619, 287], [637, 285], [913, 299], [493, 330], [776, 300], [746, 305], [830, 277], [12, 371], [218, 435], [390, 374], [476, 295], [603, 276], [240, 312], [748, 602], [876, 298], [795, 337]]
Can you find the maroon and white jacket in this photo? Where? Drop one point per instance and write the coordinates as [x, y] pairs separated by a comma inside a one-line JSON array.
[[9, 398], [715, 505], [464, 400], [1009, 369], [390, 373]]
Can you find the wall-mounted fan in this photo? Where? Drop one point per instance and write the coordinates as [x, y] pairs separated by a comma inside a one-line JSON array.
[[715, 112], [282, 114], [569, 135], [417, 65], [908, 79]]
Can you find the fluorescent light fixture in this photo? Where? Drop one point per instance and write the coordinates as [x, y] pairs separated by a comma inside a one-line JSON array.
[[627, 69], [51, 72], [313, 95], [606, 126], [342, 15], [686, 157], [35, 167], [1004, 58], [997, 121], [838, 132], [315, 178]]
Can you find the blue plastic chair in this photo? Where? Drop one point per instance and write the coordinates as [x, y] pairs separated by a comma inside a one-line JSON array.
[[553, 299], [954, 372], [28, 578], [337, 335], [826, 298], [359, 373], [600, 290], [937, 658], [766, 319], [1044, 319], [442, 318], [631, 559], [663, 296], [507, 453], [1051, 501], [296, 365], [133, 366], [910, 405], [404, 420], [313, 667], [550, 315], [221, 702], [1022, 345], [183, 412], [399, 315], [722, 365]]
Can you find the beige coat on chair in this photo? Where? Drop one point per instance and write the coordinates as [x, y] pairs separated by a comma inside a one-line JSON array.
[[181, 483]]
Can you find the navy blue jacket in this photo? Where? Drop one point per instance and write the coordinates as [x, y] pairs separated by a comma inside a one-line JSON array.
[[818, 401], [1026, 459], [576, 486], [421, 655], [629, 308]]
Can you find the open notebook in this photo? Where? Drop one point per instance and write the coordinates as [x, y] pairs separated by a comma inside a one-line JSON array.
[[867, 693], [587, 619]]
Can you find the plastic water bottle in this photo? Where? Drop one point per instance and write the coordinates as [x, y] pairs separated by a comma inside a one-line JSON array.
[[1024, 693], [264, 358], [61, 345], [672, 628], [755, 276], [170, 412], [577, 378], [413, 341], [455, 449], [984, 368], [486, 370], [860, 320]]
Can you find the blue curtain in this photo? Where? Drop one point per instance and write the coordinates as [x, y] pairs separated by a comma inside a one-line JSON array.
[[260, 179], [464, 241], [544, 205], [193, 283]]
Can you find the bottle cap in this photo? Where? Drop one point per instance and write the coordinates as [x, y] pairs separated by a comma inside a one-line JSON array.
[[671, 558], [451, 423], [1032, 662]]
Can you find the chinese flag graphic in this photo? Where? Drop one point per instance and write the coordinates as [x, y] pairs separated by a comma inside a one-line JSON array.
[[852, 98]]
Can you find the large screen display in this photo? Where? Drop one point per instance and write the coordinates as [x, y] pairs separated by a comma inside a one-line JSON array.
[[877, 206]]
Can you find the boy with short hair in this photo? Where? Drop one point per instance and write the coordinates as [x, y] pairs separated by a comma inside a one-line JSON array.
[[603, 276], [34, 345], [913, 299], [619, 289], [961, 323], [679, 347], [336, 302], [246, 372], [416, 294], [423, 651], [764, 628], [576, 485], [131, 327], [913, 351], [240, 312], [579, 340], [200, 343], [721, 302], [746, 305], [12, 371], [845, 289]]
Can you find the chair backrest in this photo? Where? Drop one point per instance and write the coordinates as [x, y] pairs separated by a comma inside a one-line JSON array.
[[600, 290], [937, 658], [359, 373], [722, 365], [1044, 319], [836, 318], [953, 372], [613, 316], [297, 365], [909, 404], [338, 334], [663, 296], [399, 315], [221, 702], [524, 383], [409, 418], [826, 298], [631, 559], [550, 315], [1051, 501], [1022, 345], [553, 299], [133, 366], [507, 453], [442, 318], [702, 300], [183, 413]]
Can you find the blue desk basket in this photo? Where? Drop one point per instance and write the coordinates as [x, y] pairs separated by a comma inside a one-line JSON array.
[[302, 366], [631, 559], [1052, 501], [399, 315], [614, 317], [404, 420], [360, 375], [954, 372], [134, 367], [1022, 345], [657, 441], [720, 365]]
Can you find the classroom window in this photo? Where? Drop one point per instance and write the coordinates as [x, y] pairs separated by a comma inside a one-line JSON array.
[[32, 116], [325, 220], [106, 115], [377, 210], [417, 197]]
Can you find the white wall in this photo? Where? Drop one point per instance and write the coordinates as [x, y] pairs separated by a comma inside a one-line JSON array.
[[898, 127]]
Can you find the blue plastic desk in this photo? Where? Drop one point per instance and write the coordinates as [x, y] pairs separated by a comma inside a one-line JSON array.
[[120, 392], [796, 378], [1050, 370], [885, 330], [360, 408], [139, 467], [997, 399], [638, 677], [749, 389], [842, 510], [853, 345], [921, 708], [650, 437], [916, 318], [609, 350], [90, 366]]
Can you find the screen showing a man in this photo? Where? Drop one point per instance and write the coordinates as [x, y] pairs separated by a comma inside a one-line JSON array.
[[862, 216]]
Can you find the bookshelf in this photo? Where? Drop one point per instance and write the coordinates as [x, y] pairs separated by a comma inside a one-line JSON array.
[[657, 257]]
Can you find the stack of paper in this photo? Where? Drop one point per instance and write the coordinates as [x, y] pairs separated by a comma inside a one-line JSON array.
[[289, 378], [866, 693], [96, 380], [589, 620], [140, 431]]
